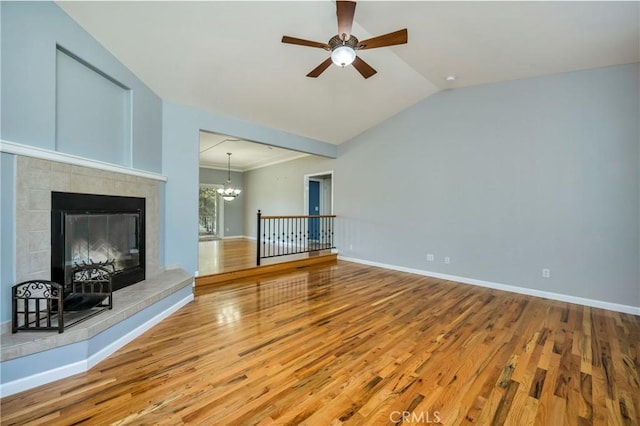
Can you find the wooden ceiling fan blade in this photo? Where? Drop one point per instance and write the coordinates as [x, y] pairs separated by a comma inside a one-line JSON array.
[[320, 68], [345, 11], [303, 42], [391, 39], [363, 68]]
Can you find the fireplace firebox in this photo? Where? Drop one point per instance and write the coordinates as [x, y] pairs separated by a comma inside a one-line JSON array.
[[94, 229]]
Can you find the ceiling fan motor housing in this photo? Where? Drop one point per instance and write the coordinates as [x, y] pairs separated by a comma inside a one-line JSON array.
[[337, 41]]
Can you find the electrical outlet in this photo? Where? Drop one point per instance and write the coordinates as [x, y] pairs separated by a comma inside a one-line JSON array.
[[350, 246], [447, 260], [429, 257], [546, 273]]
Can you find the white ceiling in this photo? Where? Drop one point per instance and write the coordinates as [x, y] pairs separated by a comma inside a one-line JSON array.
[[226, 57], [245, 155]]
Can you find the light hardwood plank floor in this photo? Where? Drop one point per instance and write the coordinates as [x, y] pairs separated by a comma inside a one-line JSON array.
[[216, 256], [351, 344], [220, 256]]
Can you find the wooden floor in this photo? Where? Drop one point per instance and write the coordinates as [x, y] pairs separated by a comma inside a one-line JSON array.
[[216, 256], [351, 344], [221, 256]]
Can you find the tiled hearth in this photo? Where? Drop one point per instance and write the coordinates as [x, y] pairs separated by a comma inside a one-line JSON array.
[[126, 303]]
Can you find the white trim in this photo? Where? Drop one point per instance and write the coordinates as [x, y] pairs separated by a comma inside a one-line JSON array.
[[305, 190], [61, 372], [634, 310], [42, 378], [47, 154]]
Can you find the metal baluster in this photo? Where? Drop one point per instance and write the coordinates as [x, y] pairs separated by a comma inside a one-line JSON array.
[[258, 236]]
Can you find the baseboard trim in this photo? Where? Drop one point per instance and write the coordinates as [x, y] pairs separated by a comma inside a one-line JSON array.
[[64, 371], [505, 287], [5, 327], [42, 378]]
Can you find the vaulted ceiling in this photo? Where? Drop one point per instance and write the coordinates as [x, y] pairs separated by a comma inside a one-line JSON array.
[[227, 58]]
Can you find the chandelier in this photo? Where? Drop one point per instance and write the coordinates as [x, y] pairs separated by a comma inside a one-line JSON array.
[[228, 193]]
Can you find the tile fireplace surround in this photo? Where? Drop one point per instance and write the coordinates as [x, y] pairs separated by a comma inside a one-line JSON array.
[[36, 179], [136, 308]]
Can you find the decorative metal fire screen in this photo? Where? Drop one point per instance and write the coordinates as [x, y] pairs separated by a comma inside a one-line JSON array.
[[41, 305], [35, 306]]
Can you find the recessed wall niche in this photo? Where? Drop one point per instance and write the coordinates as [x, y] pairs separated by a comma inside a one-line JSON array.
[[93, 111]]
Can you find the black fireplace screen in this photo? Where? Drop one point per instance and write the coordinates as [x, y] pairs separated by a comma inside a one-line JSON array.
[[101, 238], [88, 228]]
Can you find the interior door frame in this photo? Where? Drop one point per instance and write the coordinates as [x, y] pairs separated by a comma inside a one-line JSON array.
[[305, 205]]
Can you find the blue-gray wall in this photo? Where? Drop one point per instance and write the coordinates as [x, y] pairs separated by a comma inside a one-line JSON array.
[[7, 231], [31, 32], [91, 107], [233, 210], [506, 179], [279, 189]]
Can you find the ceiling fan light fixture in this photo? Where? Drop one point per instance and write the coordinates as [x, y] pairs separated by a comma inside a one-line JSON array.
[[343, 45], [343, 55]]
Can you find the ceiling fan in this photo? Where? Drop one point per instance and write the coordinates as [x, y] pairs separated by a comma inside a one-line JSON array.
[[344, 45]]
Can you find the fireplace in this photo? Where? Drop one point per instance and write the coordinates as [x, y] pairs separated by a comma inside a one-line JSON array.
[[88, 228]]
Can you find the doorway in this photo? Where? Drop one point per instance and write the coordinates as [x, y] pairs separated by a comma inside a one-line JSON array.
[[314, 209], [318, 200], [318, 193]]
